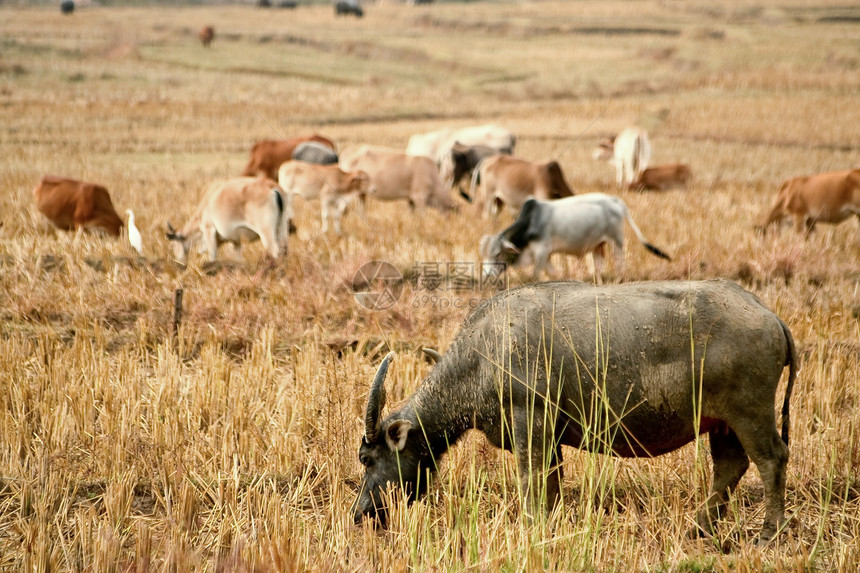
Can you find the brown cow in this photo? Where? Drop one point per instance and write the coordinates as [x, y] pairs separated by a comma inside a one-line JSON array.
[[509, 181], [72, 205], [823, 198], [267, 155], [335, 188], [206, 35], [662, 178]]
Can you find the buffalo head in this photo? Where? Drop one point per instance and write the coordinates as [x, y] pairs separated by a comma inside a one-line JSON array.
[[393, 452]]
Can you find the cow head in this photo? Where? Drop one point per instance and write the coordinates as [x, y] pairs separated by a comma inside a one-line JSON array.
[[605, 150], [181, 244], [497, 254], [393, 453]]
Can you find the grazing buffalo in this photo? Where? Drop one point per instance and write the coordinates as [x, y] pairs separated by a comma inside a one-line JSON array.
[[348, 8], [575, 225], [629, 151], [662, 178], [245, 208], [633, 370], [315, 152], [506, 180], [72, 205], [436, 144], [335, 188], [823, 198], [67, 6], [206, 35], [460, 163], [396, 175], [267, 155]]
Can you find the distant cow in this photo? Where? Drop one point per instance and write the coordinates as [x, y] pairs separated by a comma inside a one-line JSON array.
[[267, 155], [336, 189], [245, 208], [67, 6], [72, 205], [461, 162], [315, 152], [506, 180], [348, 8], [663, 178], [206, 35], [436, 144], [823, 198], [629, 152], [396, 175], [574, 225]]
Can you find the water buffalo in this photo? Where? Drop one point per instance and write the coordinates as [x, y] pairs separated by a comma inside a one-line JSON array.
[[674, 359]]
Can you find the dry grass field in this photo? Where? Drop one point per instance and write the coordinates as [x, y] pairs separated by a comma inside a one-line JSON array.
[[231, 445]]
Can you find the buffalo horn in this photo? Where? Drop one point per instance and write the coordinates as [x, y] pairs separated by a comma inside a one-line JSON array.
[[435, 356], [376, 399]]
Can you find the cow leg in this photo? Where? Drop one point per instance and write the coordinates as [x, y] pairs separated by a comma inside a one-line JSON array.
[[730, 463], [210, 239], [542, 252], [325, 208]]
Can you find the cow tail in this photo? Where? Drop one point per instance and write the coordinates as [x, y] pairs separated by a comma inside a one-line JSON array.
[[791, 361], [283, 218], [651, 248]]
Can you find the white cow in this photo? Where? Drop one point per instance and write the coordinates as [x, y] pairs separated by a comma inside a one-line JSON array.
[[576, 225], [244, 208], [437, 144], [335, 188], [629, 151]]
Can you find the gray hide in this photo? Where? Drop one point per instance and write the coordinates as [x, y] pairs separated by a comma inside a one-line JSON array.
[[315, 152], [522, 371]]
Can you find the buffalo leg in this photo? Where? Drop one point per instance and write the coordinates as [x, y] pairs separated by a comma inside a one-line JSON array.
[[770, 455], [730, 463], [540, 471]]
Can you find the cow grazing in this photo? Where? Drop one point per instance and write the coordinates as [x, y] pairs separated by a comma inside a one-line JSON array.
[[315, 152], [245, 208], [71, 205], [663, 178], [633, 370], [206, 35], [336, 189], [629, 151], [348, 8], [575, 225], [267, 155], [436, 144], [823, 198], [461, 162], [509, 181], [396, 175]]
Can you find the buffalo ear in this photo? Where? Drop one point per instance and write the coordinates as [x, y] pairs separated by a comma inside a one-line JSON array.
[[395, 435]]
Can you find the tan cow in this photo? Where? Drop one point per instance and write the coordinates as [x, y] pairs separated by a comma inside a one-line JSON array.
[[245, 208], [206, 35], [509, 181], [72, 205], [267, 155], [335, 188], [823, 198], [663, 178], [396, 175]]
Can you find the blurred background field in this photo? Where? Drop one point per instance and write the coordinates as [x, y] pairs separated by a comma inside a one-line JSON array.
[[232, 446]]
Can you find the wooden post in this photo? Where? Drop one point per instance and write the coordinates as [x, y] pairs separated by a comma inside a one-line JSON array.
[[177, 311]]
